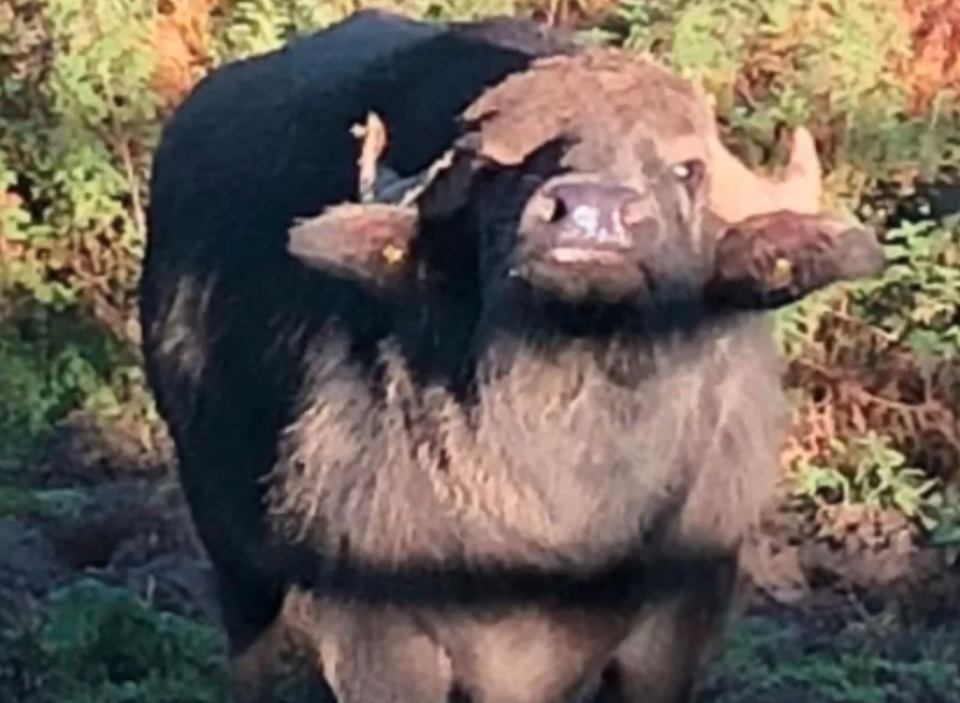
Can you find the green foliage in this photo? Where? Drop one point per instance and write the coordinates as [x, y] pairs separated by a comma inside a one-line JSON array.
[[78, 118], [101, 644], [865, 470], [946, 530], [917, 300], [461, 9], [77, 122], [249, 27], [915, 303], [52, 364], [912, 311]]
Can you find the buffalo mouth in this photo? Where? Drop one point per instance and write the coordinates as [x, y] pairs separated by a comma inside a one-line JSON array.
[[582, 253], [579, 247], [568, 255], [574, 250], [584, 271]]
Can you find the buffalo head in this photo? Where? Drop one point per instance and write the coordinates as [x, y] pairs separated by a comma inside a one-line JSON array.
[[596, 177]]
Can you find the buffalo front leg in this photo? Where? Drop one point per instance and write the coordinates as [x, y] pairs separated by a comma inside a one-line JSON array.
[[531, 654], [373, 653], [662, 659], [270, 659]]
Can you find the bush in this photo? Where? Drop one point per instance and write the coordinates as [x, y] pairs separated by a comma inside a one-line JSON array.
[[95, 643], [79, 119], [85, 84]]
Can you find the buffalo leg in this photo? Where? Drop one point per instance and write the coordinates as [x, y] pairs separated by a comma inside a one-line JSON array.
[[371, 654], [252, 625], [533, 655], [274, 661], [661, 660]]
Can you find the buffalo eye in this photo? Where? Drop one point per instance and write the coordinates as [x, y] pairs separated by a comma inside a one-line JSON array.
[[689, 173]]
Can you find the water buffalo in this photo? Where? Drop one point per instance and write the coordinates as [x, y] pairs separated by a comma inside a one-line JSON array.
[[491, 422]]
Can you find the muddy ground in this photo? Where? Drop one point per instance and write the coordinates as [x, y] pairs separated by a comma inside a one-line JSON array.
[[844, 606]]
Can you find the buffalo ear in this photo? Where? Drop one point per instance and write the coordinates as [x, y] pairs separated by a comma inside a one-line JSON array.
[[771, 260], [375, 242], [369, 243]]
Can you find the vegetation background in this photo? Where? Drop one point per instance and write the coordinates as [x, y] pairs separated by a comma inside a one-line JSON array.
[[871, 491]]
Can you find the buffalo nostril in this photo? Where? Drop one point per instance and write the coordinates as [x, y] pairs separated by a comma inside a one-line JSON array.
[[633, 212], [546, 208]]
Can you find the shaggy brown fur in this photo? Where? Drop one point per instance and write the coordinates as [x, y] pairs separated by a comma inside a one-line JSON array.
[[599, 89], [497, 477]]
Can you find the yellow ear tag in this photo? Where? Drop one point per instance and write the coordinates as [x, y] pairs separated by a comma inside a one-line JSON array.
[[782, 272], [393, 254]]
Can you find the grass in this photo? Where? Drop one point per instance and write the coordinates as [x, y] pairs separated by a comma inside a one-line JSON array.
[[767, 659]]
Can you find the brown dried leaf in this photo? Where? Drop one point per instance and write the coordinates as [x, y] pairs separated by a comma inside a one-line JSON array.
[[180, 37]]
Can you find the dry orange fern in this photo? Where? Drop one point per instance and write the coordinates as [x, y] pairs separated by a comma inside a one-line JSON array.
[[180, 37], [935, 61]]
